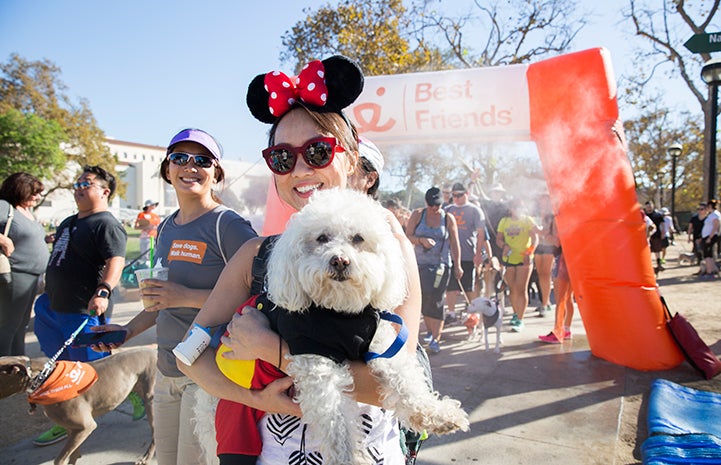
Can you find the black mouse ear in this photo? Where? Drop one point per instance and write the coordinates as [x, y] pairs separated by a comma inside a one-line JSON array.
[[344, 80], [327, 86], [257, 100]]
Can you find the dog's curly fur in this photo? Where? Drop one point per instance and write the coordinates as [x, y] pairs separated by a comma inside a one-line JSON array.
[[125, 371], [339, 253]]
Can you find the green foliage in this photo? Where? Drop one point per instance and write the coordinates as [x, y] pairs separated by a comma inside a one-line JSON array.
[[375, 33], [649, 137], [29, 143], [34, 88], [664, 26], [385, 37]]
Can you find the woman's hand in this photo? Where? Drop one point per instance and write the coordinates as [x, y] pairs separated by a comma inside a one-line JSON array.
[[250, 337], [102, 347], [165, 294], [426, 242], [275, 398], [6, 245], [457, 271]]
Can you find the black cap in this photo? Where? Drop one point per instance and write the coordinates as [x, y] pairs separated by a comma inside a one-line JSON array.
[[433, 197], [458, 187]]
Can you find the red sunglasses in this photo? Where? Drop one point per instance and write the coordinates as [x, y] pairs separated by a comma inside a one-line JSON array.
[[317, 153]]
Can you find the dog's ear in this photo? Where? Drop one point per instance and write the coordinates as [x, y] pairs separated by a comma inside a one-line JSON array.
[[14, 375], [282, 277], [395, 285]]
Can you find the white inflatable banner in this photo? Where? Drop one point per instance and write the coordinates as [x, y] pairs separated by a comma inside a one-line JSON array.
[[445, 106]]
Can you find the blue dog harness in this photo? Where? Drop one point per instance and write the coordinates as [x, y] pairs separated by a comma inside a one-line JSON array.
[[399, 341]]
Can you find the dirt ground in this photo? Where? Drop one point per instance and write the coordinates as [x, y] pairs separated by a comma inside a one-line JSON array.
[[697, 299]]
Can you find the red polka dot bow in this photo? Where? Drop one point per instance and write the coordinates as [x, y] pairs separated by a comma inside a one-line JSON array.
[[309, 86]]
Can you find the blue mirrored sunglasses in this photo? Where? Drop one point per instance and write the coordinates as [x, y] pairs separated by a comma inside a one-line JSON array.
[[83, 185]]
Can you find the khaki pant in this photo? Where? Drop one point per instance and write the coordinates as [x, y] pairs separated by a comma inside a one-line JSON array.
[[175, 441]]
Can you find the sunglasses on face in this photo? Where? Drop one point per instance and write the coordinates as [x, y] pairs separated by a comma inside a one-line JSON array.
[[182, 159], [459, 195], [317, 153], [82, 185]]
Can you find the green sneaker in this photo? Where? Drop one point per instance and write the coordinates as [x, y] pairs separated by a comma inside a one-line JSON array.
[[518, 327], [51, 436], [514, 320], [138, 406]]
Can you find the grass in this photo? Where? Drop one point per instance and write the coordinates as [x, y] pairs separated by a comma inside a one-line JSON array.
[[132, 249]]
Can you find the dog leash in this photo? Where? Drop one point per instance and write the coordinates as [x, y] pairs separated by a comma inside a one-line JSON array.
[[463, 292], [50, 364]]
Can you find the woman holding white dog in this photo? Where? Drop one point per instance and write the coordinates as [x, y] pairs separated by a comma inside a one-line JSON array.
[[312, 146]]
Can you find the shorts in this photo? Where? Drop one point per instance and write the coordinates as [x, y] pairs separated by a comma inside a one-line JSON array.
[[468, 280], [54, 328], [547, 249], [656, 244], [708, 246], [432, 297]]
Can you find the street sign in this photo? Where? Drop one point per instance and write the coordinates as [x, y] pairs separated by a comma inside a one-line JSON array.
[[704, 43]]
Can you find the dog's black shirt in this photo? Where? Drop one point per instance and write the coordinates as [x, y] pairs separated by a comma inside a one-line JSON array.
[[322, 331]]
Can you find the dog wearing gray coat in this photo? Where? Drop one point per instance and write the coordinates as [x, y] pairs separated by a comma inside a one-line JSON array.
[[126, 371]]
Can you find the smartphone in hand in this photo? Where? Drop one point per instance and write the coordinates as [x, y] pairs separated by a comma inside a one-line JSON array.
[[91, 338]]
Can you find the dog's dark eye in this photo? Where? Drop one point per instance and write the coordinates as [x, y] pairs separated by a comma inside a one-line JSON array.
[[357, 239], [322, 239]]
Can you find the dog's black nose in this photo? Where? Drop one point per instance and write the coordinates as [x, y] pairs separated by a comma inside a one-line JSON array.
[[339, 263]]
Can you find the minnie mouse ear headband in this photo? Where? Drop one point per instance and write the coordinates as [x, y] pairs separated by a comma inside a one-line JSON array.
[[199, 137], [326, 86]]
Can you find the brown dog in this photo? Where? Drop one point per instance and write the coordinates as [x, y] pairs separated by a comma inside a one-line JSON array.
[[119, 374]]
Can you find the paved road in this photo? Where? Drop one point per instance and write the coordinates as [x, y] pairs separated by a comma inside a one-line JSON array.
[[531, 404]]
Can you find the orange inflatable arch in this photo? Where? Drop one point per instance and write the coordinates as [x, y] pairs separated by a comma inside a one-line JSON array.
[[567, 105]]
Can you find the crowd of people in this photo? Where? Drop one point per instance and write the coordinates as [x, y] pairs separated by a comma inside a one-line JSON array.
[[703, 233], [460, 246], [487, 244]]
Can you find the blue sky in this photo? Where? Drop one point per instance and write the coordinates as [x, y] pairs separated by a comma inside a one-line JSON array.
[[151, 68]]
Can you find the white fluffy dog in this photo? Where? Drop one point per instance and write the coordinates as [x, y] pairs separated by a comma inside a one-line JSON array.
[[491, 316], [339, 262]]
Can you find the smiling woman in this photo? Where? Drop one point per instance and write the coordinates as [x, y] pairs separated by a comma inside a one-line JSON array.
[[194, 243]]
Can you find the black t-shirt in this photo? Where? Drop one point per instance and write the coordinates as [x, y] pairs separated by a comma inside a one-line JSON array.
[[657, 218], [81, 247], [696, 226]]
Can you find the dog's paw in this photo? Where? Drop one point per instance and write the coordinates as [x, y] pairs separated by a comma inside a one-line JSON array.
[[442, 416]]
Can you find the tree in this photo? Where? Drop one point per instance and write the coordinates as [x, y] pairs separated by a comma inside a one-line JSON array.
[[34, 88], [376, 33], [649, 136], [386, 38], [29, 143], [666, 29], [516, 31]]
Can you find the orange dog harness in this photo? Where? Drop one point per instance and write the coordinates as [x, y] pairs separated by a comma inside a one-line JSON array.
[[67, 381]]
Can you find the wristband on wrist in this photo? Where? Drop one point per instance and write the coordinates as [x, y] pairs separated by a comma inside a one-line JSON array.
[[105, 285]]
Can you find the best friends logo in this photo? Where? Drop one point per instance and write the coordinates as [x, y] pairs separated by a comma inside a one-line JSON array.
[[453, 105]]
